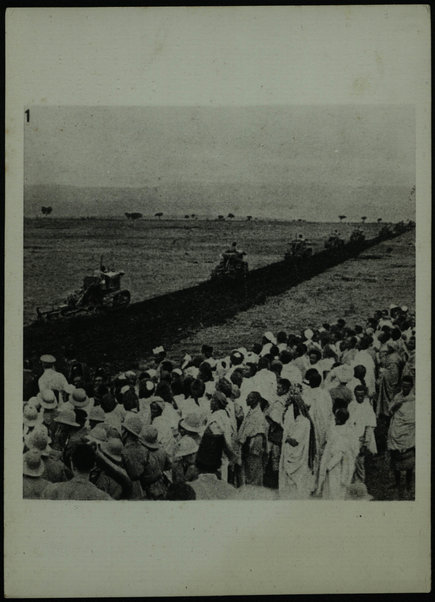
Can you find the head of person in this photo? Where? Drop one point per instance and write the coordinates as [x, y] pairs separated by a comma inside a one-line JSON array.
[[314, 355], [47, 361], [224, 386], [130, 400], [81, 416], [276, 367], [164, 391], [180, 491], [108, 402], [237, 378], [341, 416], [282, 386], [146, 388], [218, 401], [314, 379], [207, 351], [285, 357], [82, 459], [197, 388], [131, 378], [360, 392], [256, 348], [411, 343], [263, 363], [77, 381], [236, 358], [156, 409], [205, 372], [249, 370], [360, 372], [281, 337], [253, 399], [406, 385]]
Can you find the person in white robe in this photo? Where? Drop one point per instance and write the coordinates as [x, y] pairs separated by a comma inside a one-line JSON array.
[[362, 419], [338, 460], [295, 480]]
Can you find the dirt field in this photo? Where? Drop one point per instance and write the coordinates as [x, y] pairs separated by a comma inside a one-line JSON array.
[[352, 290], [157, 256]]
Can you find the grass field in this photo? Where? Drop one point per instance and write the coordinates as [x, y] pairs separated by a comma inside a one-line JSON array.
[[156, 256]]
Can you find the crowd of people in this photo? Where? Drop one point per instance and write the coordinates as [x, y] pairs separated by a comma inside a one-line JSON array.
[[296, 416]]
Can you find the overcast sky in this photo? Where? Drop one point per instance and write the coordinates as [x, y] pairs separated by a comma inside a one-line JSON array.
[[352, 145]]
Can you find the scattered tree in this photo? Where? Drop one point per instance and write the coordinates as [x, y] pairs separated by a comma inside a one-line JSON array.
[[46, 210], [341, 218], [159, 214], [186, 216], [221, 218], [363, 219], [193, 216], [249, 218], [379, 220], [230, 215]]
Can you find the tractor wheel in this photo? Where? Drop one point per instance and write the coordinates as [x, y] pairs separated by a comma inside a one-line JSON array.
[[121, 299]]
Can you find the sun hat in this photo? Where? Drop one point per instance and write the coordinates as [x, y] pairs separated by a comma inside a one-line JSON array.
[[270, 337], [344, 373], [192, 422], [38, 440], [186, 446], [236, 357], [48, 399], [149, 436], [97, 414], [66, 416], [112, 448], [33, 465], [404, 308], [130, 374], [308, 334], [133, 424], [35, 402], [152, 373], [79, 399], [177, 371], [98, 434], [30, 415], [47, 359], [159, 349]]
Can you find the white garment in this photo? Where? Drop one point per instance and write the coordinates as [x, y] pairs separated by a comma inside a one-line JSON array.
[[50, 379], [292, 373], [295, 476], [363, 358], [265, 384], [361, 417]]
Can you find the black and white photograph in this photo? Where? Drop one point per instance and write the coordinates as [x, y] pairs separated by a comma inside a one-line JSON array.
[[217, 308], [206, 313]]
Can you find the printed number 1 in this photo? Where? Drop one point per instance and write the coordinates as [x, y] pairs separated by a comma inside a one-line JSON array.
[[27, 112]]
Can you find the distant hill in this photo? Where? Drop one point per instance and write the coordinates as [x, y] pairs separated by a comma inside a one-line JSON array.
[[280, 200]]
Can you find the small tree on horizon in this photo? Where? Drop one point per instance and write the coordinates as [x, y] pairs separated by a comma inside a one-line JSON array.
[[46, 210], [221, 218], [159, 214], [341, 218], [379, 220], [186, 216], [363, 219], [249, 218], [230, 215]]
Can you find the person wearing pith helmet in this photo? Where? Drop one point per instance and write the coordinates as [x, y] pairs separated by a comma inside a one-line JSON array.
[[55, 470], [183, 468], [109, 474], [155, 481], [30, 418], [79, 487], [51, 379], [134, 454], [33, 469]]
